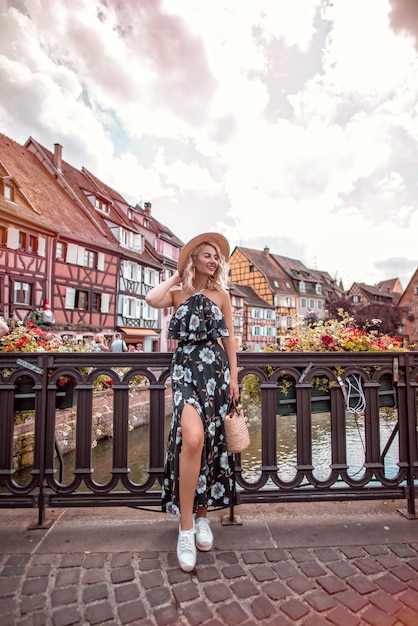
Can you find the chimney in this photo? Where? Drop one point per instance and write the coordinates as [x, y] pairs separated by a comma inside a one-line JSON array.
[[58, 156], [266, 250], [147, 208]]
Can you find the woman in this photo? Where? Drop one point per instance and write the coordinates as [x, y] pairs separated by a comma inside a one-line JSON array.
[[204, 378], [100, 343]]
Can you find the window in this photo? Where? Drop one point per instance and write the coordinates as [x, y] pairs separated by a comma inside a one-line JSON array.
[[416, 290], [256, 330], [22, 293], [303, 303], [318, 288], [311, 303], [3, 236], [269, 314], [81, 300], [255, 313], [320, 305], [236, 321], [270, 332], [302, 286], [251, 268], [276, 283], [96, 302], [61, 251], [8, 192], [27, 242], [90, 258], [356, 298], [287, 285]]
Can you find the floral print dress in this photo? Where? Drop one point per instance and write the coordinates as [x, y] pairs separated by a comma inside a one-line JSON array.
[[200, 376]]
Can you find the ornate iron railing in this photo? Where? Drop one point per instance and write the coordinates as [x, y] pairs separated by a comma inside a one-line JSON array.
[[300, 371]]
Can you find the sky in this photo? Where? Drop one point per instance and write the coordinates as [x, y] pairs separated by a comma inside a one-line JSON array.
[[291, 124]]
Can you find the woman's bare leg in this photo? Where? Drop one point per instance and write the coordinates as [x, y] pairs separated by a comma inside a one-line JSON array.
[[190, 459]]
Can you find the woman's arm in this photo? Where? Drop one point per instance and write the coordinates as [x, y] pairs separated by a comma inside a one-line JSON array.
[[161, 296], [230, 346]]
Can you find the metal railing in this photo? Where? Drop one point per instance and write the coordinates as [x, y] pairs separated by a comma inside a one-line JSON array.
[[45, 488]]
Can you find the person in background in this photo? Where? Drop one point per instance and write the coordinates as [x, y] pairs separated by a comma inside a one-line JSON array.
[[4, 329], [204, 379], [119, 345], [101, 343]]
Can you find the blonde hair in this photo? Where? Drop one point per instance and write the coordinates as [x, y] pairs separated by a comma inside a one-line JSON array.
[[99, 338], [218, 281]]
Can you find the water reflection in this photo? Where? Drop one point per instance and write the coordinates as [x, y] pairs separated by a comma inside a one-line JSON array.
[[138, 446]]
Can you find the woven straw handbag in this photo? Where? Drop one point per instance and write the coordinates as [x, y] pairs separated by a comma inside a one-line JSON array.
[[236, 430]]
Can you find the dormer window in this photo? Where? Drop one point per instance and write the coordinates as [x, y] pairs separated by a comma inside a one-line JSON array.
[[318, 288], [302, 286], [101, 205], [8, 192]]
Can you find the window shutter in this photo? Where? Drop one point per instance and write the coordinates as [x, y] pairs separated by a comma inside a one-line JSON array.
[[41, 246], [100, 261], [80, 256], [13, 238], [72, 253], [137, 243], [138, 309], [105, 300], [69, 297]]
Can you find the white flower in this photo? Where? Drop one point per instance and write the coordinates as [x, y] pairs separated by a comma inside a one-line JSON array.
[[177, 372], [216, 312], [217, 491], [211, 386], [194, 322], [181, 311], [201, 484], [207, 355]]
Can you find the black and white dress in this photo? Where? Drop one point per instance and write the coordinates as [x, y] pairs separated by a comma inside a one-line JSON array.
[[200, 376]]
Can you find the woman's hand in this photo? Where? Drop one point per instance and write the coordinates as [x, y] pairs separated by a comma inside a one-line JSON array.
[[234, 390]]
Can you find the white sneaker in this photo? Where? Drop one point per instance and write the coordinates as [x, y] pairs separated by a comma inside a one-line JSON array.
[[204, 536], [186, 549]]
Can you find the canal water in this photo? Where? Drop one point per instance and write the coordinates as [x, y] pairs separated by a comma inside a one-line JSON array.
[[138, 444]]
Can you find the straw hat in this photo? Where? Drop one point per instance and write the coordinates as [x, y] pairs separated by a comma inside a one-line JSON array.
[[214, 238]]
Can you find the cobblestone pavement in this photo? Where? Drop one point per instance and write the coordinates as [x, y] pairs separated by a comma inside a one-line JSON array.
[[282, 566]]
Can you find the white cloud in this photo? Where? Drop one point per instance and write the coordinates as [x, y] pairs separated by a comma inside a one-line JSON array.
[[292, 121]]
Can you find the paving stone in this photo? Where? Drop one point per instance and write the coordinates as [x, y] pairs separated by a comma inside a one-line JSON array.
[[92, 576], [374, 550], [361, 584], [122, 574], [262, 608], [151, 580], [12, 570], [252, 557], [342, 569], [286, 570], [131, 611], [64, 596], [390, 584], [402, 550], [275, 554], [233, 571], [94, 592], [121, 559], [413, 563], [149, 564], [35, 585], [404, 572], [388, 560], [99, 612], [29, 604], [294, 608], [327, 554], [217, 592], [331, 584], [368, 566], [263, 573], [375, 617], [126, 593], [341, 617], [312, 569], [227, 557], [352, 552], [177, 575], [407, 616], [315, 620], [352, 600], [207, 573], [17, 559], [38, 570], [244, 588], [232, 613], [386, 602], [410, 598], [320, 600], [301, 555], [275, 590], [185, 592], [166, 615], [197, 613], [72, 560], [301, 584], [158, 596], [67, 577], [66, 617], [93, 561], [9, 585]]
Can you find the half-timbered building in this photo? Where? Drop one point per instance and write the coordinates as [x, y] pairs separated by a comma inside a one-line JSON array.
[[408, 304], [259, 320], [258, 270], [51, 249]]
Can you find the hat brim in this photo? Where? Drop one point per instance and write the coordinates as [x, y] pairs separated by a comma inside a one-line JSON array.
[[211, 238]]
